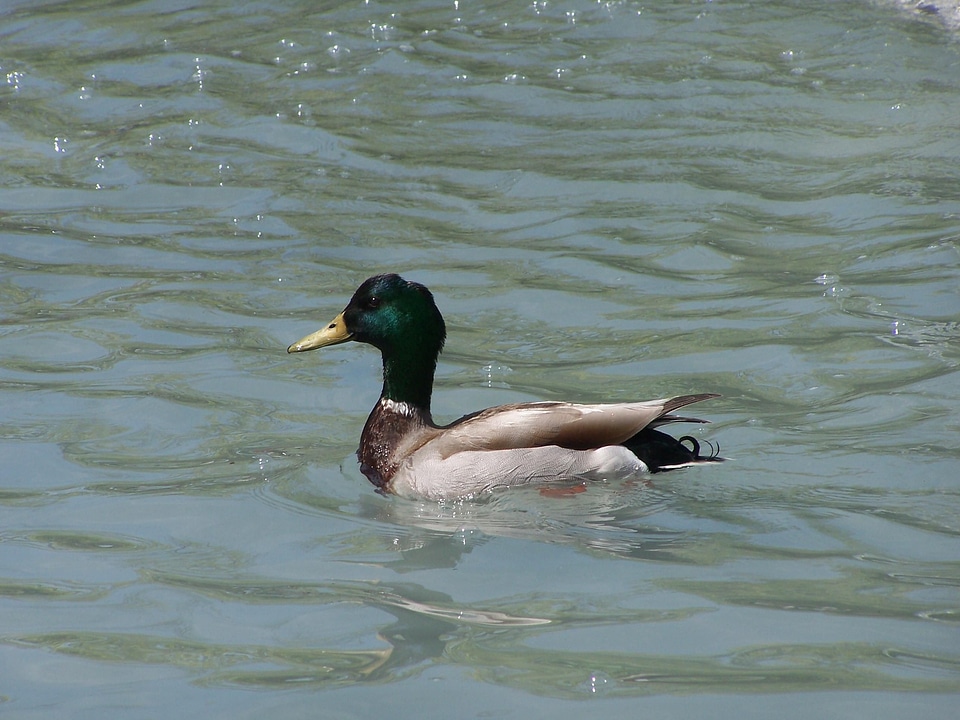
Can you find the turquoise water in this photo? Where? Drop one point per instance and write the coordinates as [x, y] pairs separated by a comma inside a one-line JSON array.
[[610, 201]]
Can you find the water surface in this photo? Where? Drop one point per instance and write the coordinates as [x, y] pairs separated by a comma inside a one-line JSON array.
[[609, 201]]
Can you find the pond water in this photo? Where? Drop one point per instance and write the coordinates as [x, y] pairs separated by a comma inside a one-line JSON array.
[[610, 201]]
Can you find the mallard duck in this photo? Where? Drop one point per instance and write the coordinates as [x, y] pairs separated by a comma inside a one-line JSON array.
[[402, 451]]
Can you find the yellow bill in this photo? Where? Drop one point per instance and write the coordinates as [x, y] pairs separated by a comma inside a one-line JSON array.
[[333, 334]]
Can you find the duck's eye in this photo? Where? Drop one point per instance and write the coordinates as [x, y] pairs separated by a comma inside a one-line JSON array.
[[373, 303]]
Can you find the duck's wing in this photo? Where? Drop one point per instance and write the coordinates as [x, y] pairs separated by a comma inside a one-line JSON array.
[[568, 425]]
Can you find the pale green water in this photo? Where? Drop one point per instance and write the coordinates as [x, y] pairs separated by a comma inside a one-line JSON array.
[[610, 201]]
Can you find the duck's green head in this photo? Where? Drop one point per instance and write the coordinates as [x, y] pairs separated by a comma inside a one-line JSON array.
[[388, 312], [399, 318]]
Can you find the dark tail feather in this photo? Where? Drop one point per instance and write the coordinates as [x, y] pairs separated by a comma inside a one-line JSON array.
[[667, 419], [661, 452], [684, 400]]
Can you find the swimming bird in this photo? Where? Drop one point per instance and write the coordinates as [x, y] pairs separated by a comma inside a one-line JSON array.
[[402, 451]]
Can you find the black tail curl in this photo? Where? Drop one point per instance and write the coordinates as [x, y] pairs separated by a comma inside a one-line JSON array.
[[661, 452]]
